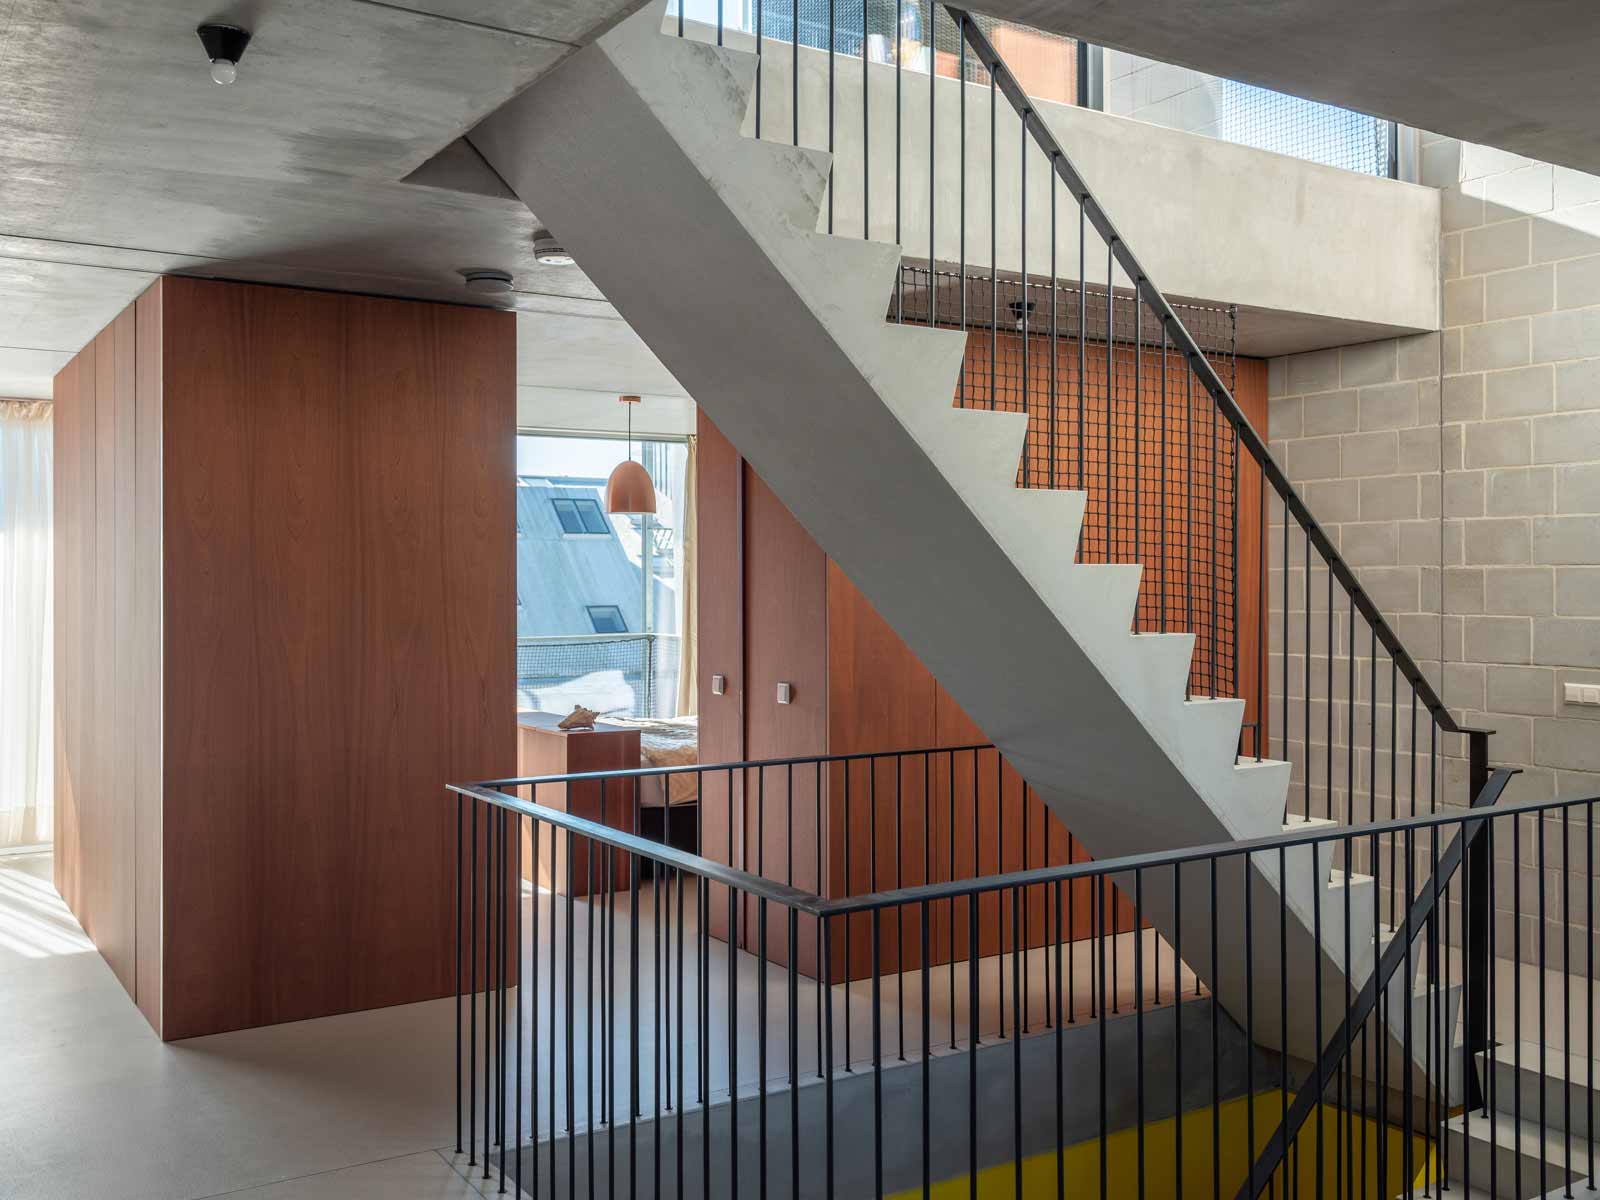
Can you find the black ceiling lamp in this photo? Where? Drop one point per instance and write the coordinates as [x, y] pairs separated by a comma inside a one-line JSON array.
[[224, 45]]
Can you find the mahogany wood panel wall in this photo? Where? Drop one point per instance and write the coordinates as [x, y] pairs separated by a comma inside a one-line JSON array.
[[107, 470], [339, 606], [287, 612]]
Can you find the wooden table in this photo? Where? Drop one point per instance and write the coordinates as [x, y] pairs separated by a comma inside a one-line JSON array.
[[543, 749]]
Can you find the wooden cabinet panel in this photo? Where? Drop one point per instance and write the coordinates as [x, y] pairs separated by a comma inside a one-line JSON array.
[[286, 573]]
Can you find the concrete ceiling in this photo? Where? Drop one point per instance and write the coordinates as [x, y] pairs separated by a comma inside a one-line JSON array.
[[121, 160], [1516, 75]]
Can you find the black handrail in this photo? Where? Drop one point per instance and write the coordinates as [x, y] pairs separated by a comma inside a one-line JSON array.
[[819, 906], [1308, 1099], [1184, 341]]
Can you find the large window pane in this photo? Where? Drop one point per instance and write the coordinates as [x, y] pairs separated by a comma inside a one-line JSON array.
[[599, 611]]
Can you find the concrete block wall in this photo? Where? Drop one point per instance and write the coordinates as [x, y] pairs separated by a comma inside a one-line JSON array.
[[1460, 473]]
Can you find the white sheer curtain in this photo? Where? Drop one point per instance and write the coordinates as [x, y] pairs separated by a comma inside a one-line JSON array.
[[26, 654]]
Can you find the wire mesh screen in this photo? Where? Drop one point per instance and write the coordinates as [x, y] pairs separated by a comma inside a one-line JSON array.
[[1322, 133], [631, 675], [1117, 415]]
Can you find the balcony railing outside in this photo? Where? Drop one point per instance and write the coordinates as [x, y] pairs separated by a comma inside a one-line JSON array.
[[618, 675]]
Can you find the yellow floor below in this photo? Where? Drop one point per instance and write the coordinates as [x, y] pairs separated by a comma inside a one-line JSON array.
[[1081, 1162]]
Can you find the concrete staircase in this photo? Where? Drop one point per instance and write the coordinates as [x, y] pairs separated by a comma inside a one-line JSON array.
[[1540, 1149], [707, 243]]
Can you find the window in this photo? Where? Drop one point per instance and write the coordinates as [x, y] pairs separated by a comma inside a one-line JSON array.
[[607, 618], [601, 595], [579, 517]]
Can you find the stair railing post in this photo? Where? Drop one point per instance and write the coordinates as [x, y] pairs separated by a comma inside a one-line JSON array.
[[1478, 974]]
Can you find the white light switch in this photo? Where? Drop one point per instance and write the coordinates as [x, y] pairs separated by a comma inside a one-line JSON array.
[[1582, 693], [719, 685], [785, 693]]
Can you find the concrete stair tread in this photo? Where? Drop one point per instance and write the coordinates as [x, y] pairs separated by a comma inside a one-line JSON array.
[[1520, 1136], [1553, 1064]]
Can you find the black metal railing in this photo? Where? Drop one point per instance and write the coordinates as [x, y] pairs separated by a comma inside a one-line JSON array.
[[1130, 395], [681, 1027]]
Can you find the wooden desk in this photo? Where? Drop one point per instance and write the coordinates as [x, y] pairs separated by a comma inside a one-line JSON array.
[[543, 749]]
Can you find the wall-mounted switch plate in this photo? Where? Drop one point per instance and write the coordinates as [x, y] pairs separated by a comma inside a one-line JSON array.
[[719, 685], [785, 693], [1582, 693]]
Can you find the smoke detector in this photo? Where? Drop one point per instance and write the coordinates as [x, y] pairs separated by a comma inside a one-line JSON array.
[[485, 281], [549, 251]]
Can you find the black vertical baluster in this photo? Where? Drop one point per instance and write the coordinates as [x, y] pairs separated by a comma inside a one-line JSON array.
[[1138, 433], [899, 56], [1216, 1040], [1262, 585], [1327, 770], [1138, 1002], [1283, 738], [589, 1016], [501, 897], [961, 232], [516, 1150], [704, 970], [472, 1008], [933, 166], [866, 132], [827, 1057], [1249, 1020], [972, 1039], [899, 922], [794, 1055], [572, 1120], [1316, 972], [759, 5], [794, 67], [733, 1043], [1055, 331], [1023, 318], [849, 836], [927, 1059], [823, 995], [1283, 1000], [999, 913], [1111, 398], [461, 818], [1083, 344], [1016, 1042], [1177, 1029], [950, 782], [1306, 682], [877, 1050], [1061, 1098], [633, 1024], [761, 1044], [1544, 1064], [1162, 461], [1588, 929], [832, 25], [994, 259], [1516, 988], [1072, 925], [1380, 1022], [533, 1002], [1102, 901], [488, 984]]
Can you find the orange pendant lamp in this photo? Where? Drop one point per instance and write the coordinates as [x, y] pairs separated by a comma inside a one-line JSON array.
[[629, 489]]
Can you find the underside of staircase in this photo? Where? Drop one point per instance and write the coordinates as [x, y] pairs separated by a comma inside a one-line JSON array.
[[707, 243]]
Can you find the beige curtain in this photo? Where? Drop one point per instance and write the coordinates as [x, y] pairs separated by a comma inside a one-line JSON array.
[[26, 655], [689, 640]]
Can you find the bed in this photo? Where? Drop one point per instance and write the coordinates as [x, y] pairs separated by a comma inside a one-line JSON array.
[[666, 742]]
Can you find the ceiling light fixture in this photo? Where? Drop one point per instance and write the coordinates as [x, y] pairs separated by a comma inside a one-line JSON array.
[[629, 489], [486, 281], [224, 45], [549, 251]]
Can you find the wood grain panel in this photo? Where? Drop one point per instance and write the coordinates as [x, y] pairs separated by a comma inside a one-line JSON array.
[[144, 649], [719, 623], [339, 604], [786, 641]]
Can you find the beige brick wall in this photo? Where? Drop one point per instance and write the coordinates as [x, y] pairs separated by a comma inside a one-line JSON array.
[[1459, 473]]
